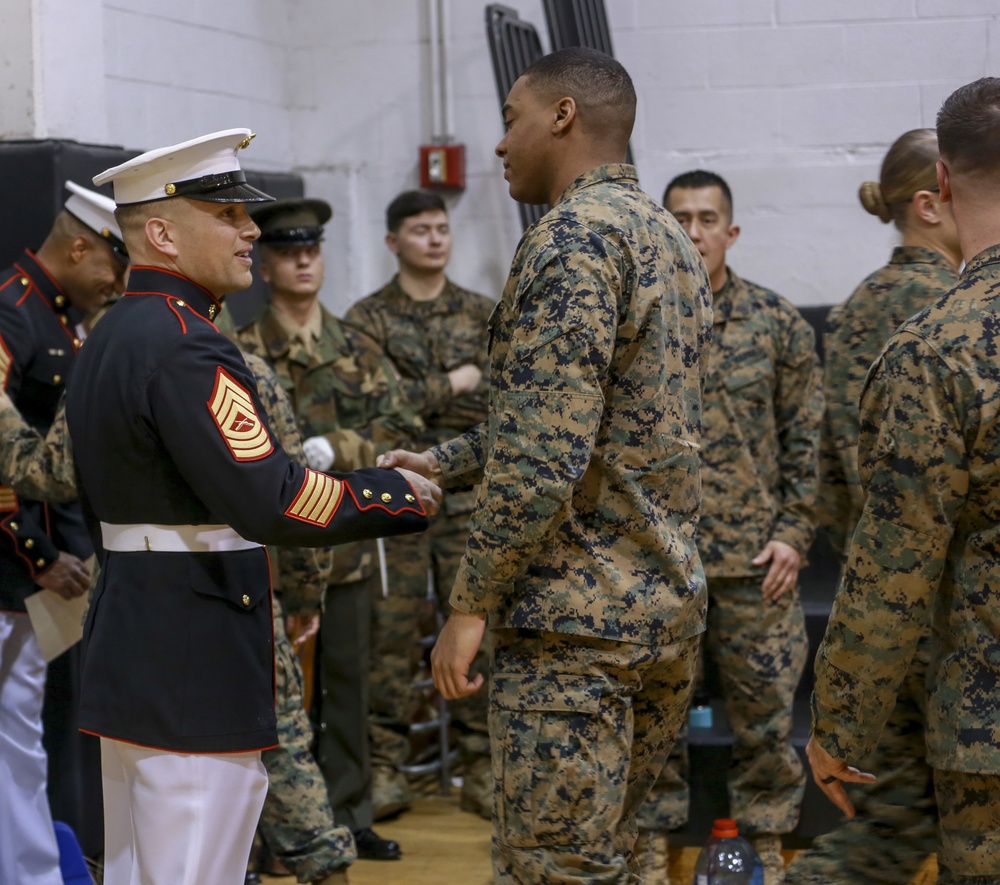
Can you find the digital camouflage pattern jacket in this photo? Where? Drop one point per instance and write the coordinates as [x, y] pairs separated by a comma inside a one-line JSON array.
[[586, 515]]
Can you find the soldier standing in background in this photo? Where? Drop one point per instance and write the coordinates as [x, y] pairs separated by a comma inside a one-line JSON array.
[[581, 553], [760, 439], [896, 826], [926, 544], [43, 299], [349, 407], [435, 333]]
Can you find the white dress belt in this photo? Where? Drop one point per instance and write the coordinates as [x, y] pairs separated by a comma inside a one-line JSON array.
[[173, 538]]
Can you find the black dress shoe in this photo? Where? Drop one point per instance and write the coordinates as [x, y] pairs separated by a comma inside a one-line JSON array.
[[252, 878], [371, 846]]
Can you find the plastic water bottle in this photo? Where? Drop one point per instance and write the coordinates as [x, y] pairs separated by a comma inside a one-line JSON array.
[[728, 859]]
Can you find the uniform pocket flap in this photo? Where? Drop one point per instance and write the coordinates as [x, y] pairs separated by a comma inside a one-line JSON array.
[[236, 577], [550, 693]]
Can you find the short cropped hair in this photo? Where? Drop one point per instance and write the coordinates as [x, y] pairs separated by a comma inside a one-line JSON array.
[[600, 86], [410, 203], [968, 127], [698, 178]]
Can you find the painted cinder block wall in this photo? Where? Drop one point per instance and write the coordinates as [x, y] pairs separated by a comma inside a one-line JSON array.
[[794, 101]]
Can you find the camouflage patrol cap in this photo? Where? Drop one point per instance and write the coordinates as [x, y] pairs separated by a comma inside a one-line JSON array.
[[293, 222]]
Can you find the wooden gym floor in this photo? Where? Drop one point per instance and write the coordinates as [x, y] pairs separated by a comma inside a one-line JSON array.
[[443, 844]]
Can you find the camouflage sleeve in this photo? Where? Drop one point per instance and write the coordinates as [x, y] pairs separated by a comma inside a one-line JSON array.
[[299, 573], [840, 497], [798, 415], [462, 459], [915, 468], [425, 395], [35, 467], [547, 409]]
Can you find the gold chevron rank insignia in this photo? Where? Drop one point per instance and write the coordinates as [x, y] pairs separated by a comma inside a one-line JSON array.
[[317, 500], [8, 500], [5, 361], [233, 410]]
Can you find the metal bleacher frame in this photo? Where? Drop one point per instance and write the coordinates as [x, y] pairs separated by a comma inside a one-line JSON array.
[[514, 44]]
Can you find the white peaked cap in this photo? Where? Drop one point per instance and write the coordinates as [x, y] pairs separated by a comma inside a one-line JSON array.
[[97, 212], [205, 168]]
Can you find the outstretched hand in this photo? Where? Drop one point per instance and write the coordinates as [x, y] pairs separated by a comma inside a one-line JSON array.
[[423, 463], [830, 775]]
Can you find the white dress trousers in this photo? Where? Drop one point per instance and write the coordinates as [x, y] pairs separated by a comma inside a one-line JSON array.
[[178, 818], [28, 849]]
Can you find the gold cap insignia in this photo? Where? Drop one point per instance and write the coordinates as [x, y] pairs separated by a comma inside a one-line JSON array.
[[170, 189], [246, 141], [386, 497]]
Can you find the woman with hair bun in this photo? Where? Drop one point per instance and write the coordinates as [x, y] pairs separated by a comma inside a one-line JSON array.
[[895, 829]]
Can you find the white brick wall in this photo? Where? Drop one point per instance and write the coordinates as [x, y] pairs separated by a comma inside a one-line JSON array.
[[794, 101]]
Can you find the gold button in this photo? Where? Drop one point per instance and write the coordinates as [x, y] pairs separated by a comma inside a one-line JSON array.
[[181, 303], [39, 562], [25, 281], [77, 342], [367, 493], [60, 300], [63, 320], [14, 526], [170, 189], [410, 498], [386, 497], [246, 599], [29, 543], [56, 378]]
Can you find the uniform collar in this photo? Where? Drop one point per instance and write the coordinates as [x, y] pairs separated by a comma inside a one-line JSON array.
[[442, 304], [33, 271], [599, 175], [145, 280], [918, 255], [989, 255], [732, 301]]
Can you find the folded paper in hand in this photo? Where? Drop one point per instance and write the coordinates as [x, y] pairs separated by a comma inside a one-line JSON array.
[[57, 622]]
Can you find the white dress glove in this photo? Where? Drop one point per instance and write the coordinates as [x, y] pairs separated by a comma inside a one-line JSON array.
[[319, 453]]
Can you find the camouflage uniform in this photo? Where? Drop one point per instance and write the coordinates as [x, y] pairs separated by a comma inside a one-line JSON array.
[[581, 551], [425, 340], [296, 819], [345, 390], [763, 407], [896, 825], [924, 552]]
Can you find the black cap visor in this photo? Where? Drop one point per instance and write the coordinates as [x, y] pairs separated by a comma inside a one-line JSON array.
[[225, 187]]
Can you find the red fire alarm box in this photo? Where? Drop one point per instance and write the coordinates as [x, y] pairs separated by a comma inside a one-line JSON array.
[[442, 165]]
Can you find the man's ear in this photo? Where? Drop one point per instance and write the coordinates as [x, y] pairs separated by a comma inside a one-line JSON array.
[[565, 115], [734, 235], [78, 249], [944, 181], [391, 242], [160, 235]]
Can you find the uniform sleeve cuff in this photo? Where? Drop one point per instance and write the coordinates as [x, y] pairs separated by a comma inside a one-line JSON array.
[[847, 714], [475, 595]]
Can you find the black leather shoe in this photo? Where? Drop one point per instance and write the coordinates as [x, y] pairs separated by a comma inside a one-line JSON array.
[[371, 846], [252, 878]]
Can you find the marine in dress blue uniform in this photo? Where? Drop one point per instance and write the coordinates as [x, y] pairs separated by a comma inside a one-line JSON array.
[[183, 482], [43, 297]]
